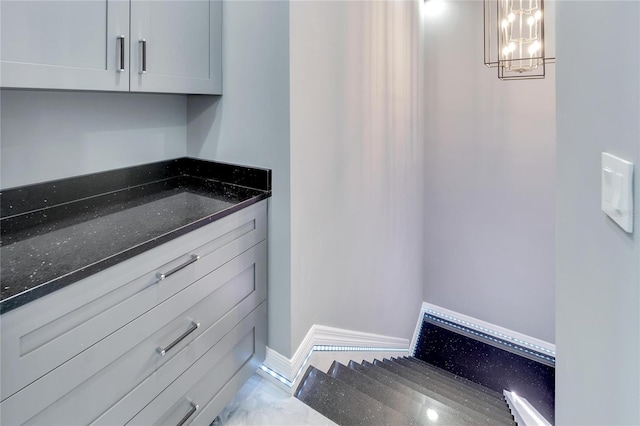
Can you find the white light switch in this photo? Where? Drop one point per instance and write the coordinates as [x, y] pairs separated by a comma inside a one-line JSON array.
[[617, 190]]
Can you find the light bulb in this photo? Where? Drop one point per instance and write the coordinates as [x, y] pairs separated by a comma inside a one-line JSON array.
[[512, 47], [530, 21], [505, 51], [433, 7], [534, 47], [511, 17], [505, 23], [538, 14]]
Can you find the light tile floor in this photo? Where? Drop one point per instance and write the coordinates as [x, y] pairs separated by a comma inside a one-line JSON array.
[[260, 402]]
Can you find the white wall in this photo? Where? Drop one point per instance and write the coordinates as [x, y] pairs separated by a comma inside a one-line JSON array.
[[49, 135], [356, 166], [249, 125], [490, 179], [598, 276]]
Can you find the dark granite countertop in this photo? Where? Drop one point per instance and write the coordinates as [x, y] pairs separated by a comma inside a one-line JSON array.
[[56, 233]]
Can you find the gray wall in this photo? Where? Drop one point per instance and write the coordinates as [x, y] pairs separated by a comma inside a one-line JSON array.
[[489, 181], [356, 166], [249, 124], [598, 276], [51, 135]]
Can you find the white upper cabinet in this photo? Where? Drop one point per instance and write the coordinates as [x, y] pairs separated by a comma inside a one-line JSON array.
[[176, 46], [64, 44], [163, 46]]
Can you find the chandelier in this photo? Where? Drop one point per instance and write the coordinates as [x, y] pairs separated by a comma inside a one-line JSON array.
[[514, 38]]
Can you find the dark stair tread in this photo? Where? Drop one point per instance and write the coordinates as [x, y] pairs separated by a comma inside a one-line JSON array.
[[435, 413], [343, 404], [500, 414], [453, 376], [455, 395], [390, 382], [478, 417], [498, 403], [377, 391], [448, 385], [445, 414]]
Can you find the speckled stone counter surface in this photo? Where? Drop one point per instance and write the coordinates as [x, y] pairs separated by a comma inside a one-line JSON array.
[[56, 233]]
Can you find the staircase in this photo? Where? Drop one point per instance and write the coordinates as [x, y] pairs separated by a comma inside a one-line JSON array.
[[400, 391]]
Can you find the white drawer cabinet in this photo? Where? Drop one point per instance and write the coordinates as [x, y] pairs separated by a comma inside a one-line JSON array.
[[108, 372], [165, 46], [189, 397]]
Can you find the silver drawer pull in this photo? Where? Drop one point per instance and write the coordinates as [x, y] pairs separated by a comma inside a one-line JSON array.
[[162, 276], [143, 56], [120, 47], [163, 351], [194, 408]]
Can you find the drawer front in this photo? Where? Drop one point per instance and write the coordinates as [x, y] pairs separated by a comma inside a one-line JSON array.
[[186, 400], [153, 350], [45, 333]]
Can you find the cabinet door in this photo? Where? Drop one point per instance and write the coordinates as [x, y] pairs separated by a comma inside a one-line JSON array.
[[53, 44], [176, 46]]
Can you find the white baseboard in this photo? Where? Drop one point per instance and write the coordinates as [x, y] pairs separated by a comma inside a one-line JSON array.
[[484, 327], [523, 412], [286, 372]]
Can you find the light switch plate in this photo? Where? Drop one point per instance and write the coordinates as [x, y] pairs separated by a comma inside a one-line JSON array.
[[617, 190]]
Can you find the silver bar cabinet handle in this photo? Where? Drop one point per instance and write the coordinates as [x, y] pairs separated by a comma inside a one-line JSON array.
[[121, 54], [163, 351], [161, 276], [194, 408], [143, 56]]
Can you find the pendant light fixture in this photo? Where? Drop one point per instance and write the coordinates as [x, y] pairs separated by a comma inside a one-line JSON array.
[[514, 39]]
